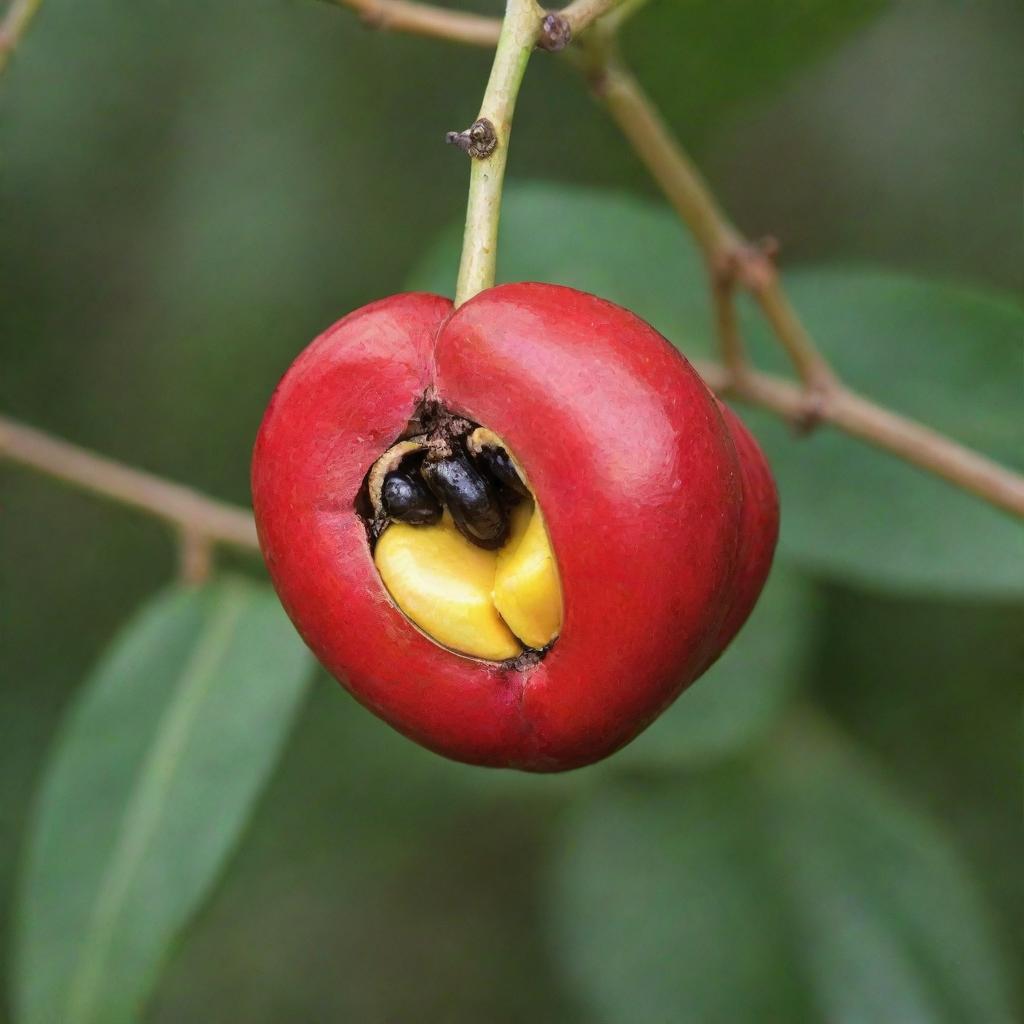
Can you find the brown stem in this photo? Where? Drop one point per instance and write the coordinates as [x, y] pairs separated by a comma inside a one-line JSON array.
[[460, 26], [647, 133], [730, 341], [878, 426], [580, 14], [190, 511], [726, 252], [195, 557], [810, 365], [427, 20]]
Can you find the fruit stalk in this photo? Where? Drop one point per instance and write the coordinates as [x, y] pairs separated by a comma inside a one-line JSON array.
[[519, 32]]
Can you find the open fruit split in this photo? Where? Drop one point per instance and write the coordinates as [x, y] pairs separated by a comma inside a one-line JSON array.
[[459, 540], [515, 530]]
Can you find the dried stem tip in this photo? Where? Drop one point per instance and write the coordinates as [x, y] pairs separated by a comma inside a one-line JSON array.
[[478, 140], [555, 33]]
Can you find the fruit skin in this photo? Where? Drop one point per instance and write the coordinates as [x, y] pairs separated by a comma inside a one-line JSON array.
[[759, 530], [660, 510]]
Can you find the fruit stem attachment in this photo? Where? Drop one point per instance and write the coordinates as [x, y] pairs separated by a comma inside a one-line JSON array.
[[519, 34]]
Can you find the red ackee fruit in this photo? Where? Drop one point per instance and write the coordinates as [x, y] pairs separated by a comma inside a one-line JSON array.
[[659, 508]]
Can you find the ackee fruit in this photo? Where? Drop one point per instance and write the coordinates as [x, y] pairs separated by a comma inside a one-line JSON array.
[[516, 530]]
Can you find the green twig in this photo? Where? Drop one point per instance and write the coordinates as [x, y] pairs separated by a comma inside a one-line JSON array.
[[519, 33]]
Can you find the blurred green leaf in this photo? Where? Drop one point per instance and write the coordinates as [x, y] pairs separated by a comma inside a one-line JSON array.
[[728, 53], [794, 888], [154, 774], [946, 355], [852, 161], [934, 688], [741, 695]]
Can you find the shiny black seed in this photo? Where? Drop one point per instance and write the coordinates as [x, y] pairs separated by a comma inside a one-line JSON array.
[[471, 498], [497, 462], [408, 500]]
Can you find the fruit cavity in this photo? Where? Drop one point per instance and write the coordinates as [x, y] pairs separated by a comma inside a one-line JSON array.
[[459, 540]]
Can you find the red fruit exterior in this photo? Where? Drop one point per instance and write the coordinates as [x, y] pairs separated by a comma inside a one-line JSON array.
[[759, 529], [660, 506]]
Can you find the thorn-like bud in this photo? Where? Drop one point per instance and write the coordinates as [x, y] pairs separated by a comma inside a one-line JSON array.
[[479, 140], [812, 414], [769, 246], [555, 33]]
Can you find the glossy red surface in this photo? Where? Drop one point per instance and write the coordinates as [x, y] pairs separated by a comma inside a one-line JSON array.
[[661, 510]]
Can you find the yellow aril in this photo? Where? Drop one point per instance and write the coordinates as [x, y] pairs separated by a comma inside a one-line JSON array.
[[527, 592], [443, 583]]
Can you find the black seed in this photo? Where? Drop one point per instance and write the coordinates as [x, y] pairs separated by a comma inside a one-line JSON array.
[[497, 462], [471, 498], [407, 499]]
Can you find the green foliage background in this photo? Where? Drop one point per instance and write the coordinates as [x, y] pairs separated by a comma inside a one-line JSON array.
[[190, 194]]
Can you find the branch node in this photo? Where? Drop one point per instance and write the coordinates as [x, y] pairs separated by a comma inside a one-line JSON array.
[[769, 247], [724, 269], [555, 33], [749, 265], [479, 140], [736, 380], [195, 556], [812, 412]]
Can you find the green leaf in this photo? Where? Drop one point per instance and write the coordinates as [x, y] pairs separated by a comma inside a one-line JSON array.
[[795, 888], [152, 779], [372, 865], [948, 356], [741, 695]]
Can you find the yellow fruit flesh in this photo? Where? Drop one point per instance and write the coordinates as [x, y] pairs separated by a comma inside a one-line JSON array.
[[454, 590], [443, 583], [527, 593]]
